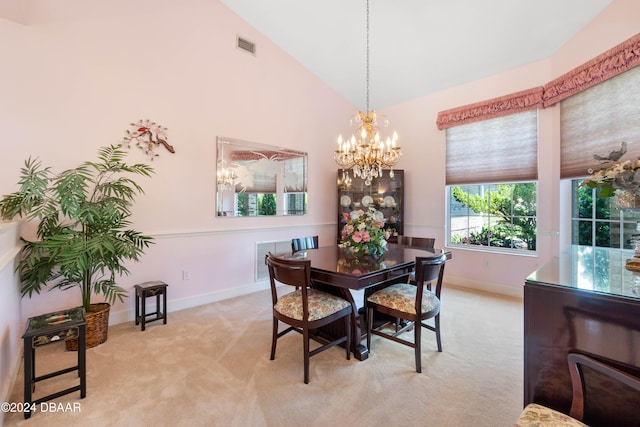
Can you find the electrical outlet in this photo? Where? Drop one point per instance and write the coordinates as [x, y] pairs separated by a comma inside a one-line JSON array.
[[186, 275]]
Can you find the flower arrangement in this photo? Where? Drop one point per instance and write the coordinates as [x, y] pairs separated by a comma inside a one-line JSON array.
[[364, 234], [623, 175]]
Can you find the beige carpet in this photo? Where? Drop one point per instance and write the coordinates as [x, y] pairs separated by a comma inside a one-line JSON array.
[[209, 366]]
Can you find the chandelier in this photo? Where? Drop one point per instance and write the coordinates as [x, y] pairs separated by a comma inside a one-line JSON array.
[[368, 154], [226, 177]]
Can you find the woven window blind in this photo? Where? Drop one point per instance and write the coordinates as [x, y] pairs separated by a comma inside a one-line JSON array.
[[262, 183], [295, 174], [597, 120], [502, 149]]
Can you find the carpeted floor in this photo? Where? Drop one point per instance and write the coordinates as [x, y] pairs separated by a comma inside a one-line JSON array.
[[209, 366]]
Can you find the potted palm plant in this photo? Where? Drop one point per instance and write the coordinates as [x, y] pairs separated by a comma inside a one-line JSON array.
[[82, 238]]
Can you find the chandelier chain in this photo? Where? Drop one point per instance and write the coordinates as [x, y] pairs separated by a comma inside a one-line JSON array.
[[367, 56], [368, 154]]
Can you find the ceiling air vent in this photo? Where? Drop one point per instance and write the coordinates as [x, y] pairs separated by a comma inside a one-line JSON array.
[[246, 45]]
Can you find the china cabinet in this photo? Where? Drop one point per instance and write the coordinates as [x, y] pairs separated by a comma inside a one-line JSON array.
[[385, 195]]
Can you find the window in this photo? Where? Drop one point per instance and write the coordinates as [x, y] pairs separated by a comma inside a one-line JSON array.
[[596, 221], [296, 203], [492, 195], [498, 216], [596, 121]]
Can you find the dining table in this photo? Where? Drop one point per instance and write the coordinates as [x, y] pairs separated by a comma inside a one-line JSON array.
[[337, 270]]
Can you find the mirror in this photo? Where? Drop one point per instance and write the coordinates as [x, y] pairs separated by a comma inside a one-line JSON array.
[[259, 180]]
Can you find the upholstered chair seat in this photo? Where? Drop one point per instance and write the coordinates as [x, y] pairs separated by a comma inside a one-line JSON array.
[[321, 304], [535, 415], [402, 297]]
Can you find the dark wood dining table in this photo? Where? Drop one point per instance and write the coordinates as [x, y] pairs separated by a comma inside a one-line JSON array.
[[335, 270]]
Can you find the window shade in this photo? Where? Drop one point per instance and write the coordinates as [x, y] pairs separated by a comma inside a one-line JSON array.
[[260, 182], [295, 174], [597, 120], [503, 149]]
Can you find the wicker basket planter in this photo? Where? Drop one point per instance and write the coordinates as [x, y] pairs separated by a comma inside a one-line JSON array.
[[97, 326]]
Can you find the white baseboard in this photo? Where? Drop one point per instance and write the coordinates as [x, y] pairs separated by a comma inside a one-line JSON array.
[[8, 381], [128, 315], [509, 291]]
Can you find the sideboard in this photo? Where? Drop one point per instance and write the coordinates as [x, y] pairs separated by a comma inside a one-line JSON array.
[[583, 300]]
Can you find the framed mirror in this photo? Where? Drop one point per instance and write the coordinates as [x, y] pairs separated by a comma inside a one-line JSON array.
[[256, 179]]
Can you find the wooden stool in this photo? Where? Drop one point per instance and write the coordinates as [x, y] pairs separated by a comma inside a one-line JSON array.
[[47, 329], [149, 289]]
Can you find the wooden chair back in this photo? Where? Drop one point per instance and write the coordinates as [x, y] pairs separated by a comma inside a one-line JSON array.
[[428, 270], [576, 362], [417, 242]]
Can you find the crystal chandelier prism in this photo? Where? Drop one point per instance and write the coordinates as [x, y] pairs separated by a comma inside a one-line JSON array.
[[368, 154]]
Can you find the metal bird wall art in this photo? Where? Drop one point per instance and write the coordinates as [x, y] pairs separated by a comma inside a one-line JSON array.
[[147, 136]]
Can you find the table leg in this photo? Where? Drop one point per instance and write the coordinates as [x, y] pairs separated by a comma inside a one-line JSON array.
[[143, 316], [360, 351], [82, 360], [137, 307], [29, 368], [164, 305]]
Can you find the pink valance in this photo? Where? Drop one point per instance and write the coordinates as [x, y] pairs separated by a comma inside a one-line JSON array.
[[617, 60], [496, 107]]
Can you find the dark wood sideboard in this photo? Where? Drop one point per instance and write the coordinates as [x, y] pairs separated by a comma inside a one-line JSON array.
[[583, 300]]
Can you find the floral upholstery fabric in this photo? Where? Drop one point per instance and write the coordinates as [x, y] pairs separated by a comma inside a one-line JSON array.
[[402, 297], [321, 304], [535, 415]]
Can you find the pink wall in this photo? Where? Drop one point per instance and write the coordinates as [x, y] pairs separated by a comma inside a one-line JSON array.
[[74, 77], [425, 164], [79, 74], [76, 74]]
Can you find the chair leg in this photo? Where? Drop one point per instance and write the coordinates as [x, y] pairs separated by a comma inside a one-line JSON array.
[[417, 336], [347, 325], [306, 355], [369, 327], [437, 325], [274, 339]]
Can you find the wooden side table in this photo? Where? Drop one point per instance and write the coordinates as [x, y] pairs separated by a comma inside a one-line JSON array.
[[47, 329], [149, 289]]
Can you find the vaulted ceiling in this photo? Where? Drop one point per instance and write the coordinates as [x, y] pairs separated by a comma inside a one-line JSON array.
[[416, 47]]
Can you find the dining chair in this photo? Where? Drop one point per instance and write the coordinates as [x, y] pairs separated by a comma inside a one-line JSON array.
[[412, 303], [304, 243], [304, 309], [416, 242], [538, 415], [420, 243]]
